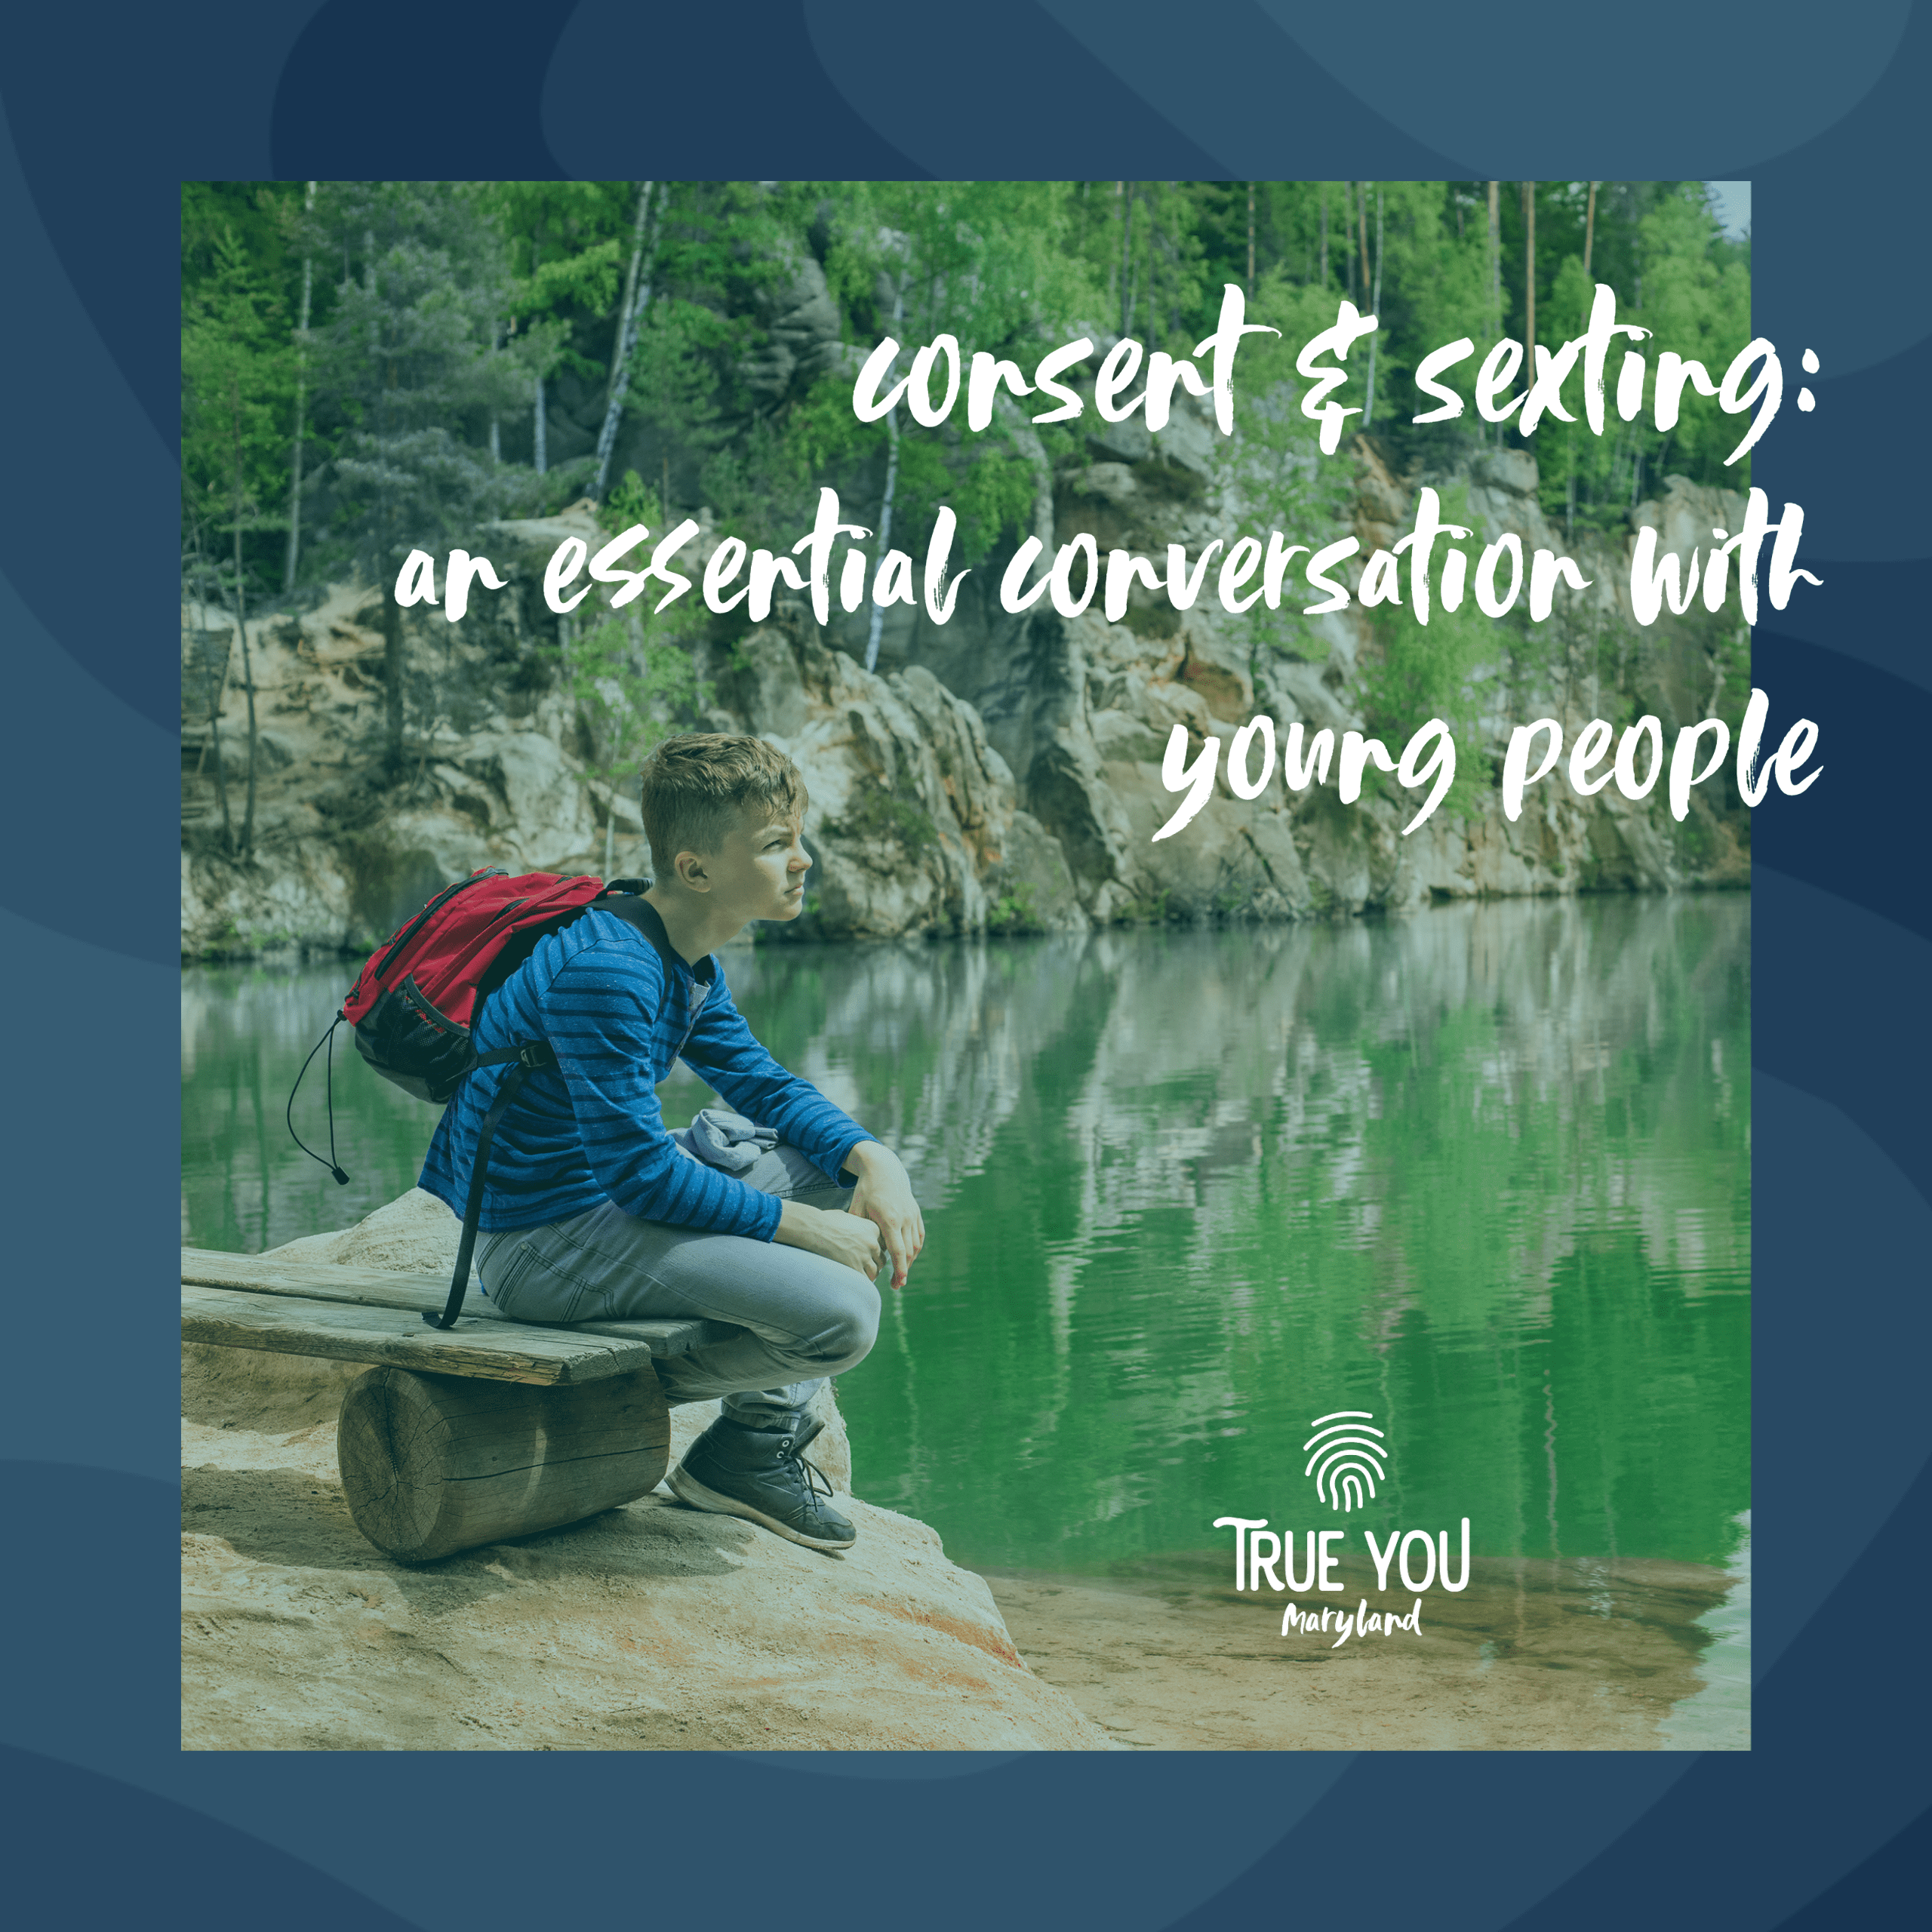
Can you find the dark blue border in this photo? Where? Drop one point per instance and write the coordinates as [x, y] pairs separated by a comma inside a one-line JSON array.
[[1816, 1826]]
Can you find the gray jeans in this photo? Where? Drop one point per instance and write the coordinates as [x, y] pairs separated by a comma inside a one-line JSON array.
[[803, 1317]]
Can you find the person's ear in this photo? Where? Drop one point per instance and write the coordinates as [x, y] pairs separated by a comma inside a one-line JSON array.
[[689, 869]]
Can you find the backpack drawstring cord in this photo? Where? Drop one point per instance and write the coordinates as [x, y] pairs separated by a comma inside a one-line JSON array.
[[328, 1075]]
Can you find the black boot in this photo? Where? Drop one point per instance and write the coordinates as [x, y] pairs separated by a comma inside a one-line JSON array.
[[760, 1475]]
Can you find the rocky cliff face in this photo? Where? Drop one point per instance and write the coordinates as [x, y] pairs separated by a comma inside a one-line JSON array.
[[1001, 773], [1082, 709]]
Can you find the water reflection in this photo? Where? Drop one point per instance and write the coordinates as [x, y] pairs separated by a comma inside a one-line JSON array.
[[1484, 1172], [245, 1186]]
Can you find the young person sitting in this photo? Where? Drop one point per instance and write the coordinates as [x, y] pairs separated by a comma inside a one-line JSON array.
[[595, 1212]]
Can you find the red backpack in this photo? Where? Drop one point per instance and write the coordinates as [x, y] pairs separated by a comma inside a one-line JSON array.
[[412, 1005]]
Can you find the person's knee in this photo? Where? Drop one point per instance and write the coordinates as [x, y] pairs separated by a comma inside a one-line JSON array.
[[851, 1327]]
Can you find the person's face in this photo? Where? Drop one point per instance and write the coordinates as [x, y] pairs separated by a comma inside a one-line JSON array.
[[758, 872]]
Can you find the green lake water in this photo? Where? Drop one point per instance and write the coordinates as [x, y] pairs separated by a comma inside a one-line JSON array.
[[1484, 1172]]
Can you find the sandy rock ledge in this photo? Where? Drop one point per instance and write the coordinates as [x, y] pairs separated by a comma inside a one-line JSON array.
[[650, 1626]]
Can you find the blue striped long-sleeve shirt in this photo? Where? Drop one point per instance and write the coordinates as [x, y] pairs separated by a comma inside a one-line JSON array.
[[590, 1128]]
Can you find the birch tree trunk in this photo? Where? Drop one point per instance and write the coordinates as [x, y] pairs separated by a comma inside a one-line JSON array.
[[1495, 272], [1325, 235], [1590, 229], [1116, 274], [539, 453], [248, 686], [220, 773], [644, 189], [369, 288], [395, 663], [630, 317], [1495, 259], [1374, 303], [1153, 267], [1250, 241], [241, 611], [1361, 217], [875, 622], [217, 690], [1529, 281], [301, 386], [495, 428]]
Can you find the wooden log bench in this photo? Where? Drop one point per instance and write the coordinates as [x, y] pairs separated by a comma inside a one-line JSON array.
[[490, 1429]]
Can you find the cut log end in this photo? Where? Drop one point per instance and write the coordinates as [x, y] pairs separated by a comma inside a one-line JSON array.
[[433, 1464]]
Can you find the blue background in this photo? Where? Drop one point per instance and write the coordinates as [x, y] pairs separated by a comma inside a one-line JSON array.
[[106, 112]]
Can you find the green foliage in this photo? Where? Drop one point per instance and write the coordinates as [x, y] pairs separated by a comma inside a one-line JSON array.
[[680, 387], [1657, 244], [1439, 669], [876, 812], [437, 305], [626, 503], [1692, 289], [412, 365], [238, 381], [631, 672], [565, 239], [1014, 912], [1151, 911], [996, 264], [568, 245], [989, 261], [632, 679], [1271, 468]]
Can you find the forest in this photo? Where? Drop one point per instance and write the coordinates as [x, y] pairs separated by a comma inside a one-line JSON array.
[[371, 367]]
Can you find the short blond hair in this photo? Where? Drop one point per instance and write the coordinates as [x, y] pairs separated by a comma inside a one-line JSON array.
[[695, 788]]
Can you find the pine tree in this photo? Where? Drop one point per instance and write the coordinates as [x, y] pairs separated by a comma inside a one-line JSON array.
[[238, 375], [411, 361]]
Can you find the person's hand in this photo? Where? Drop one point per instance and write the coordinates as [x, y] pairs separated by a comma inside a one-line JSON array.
[[883, 1197], [838, 1237]]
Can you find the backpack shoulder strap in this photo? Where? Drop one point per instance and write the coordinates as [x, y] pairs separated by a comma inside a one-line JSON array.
[[479, 1168], [636, 910]]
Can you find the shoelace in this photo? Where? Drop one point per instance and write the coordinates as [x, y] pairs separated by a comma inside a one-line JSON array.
[[794, 1452]]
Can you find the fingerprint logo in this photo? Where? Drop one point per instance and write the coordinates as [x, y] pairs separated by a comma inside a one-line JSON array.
[[1347, 1458]]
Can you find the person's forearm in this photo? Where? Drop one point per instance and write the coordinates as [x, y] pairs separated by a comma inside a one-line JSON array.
[[842, 1237], [864, 1156], [798, 1226]]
